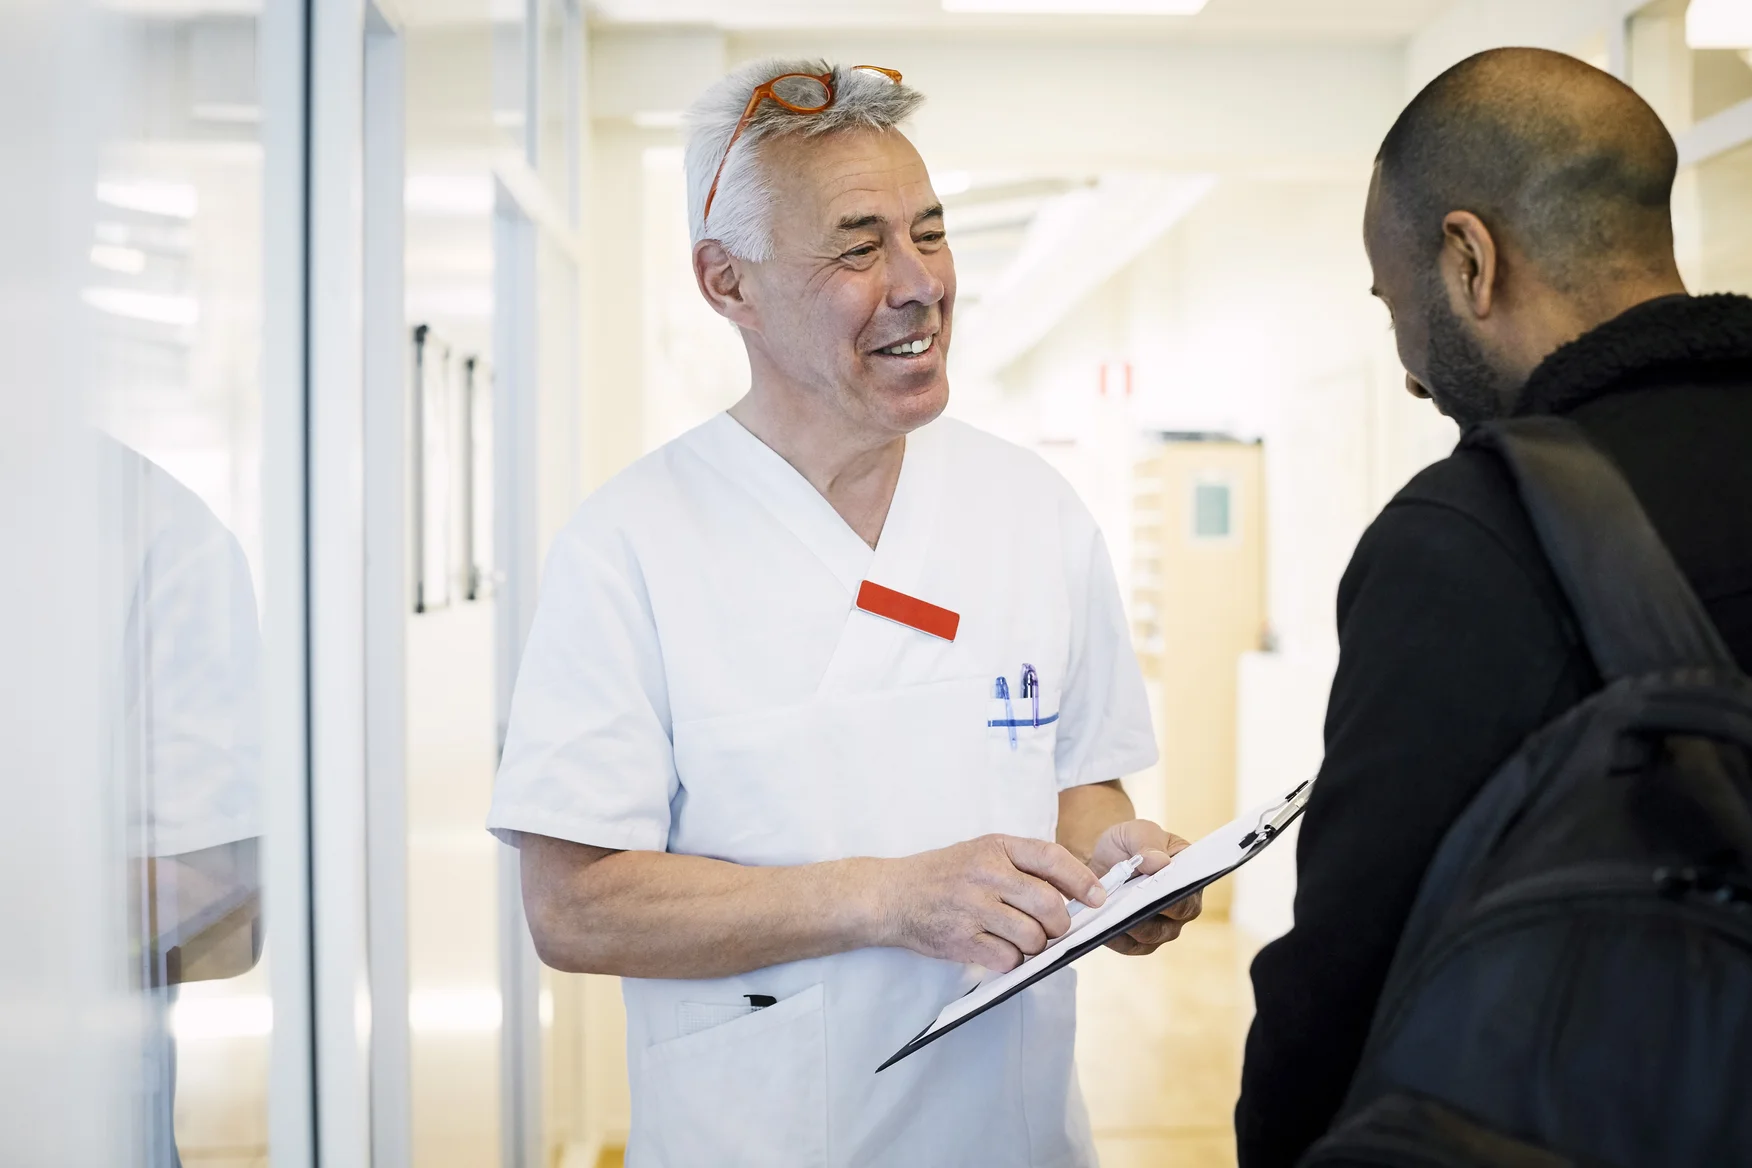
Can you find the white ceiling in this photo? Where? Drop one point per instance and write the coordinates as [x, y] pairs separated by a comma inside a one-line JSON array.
[[1275, 19]]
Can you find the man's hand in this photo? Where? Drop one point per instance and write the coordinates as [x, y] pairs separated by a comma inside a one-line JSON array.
[[996, 900], [1140, 837]]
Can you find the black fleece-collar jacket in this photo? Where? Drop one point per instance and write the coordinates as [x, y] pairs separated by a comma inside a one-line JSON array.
[[1455, 645]]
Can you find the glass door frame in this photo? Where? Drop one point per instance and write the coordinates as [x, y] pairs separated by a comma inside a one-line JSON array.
[[283, 41], [529, 218]]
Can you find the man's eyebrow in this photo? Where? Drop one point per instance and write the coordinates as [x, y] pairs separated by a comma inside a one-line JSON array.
[[858, 222], [935, 211]]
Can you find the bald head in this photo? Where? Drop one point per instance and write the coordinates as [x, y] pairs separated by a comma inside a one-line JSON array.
[[1561, 161], [1519, 201]]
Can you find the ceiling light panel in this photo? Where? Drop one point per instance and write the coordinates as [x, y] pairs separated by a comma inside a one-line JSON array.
[[1719, 24], [1078, 7]]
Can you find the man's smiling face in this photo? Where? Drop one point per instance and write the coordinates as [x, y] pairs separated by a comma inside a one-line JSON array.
[[856, 302]]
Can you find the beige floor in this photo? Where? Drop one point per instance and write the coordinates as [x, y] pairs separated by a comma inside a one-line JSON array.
[[1159, 1050]]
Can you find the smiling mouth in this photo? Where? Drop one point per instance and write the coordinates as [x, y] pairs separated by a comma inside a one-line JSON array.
[[910, 348]]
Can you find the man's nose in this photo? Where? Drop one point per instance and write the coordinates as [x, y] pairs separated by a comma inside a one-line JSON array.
[[911, 280], [1415, 387]]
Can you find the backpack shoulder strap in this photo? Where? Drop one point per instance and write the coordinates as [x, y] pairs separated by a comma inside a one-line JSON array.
[[1637, 612]]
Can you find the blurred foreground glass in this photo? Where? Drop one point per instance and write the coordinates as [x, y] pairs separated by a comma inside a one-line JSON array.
[[173, 282]]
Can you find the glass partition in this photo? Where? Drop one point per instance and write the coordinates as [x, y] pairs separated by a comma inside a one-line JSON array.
[[1692, 61], [135, 875], [1715, 215], [174, 287]]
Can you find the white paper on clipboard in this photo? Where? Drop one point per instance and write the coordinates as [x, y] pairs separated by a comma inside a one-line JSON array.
[[1201, 863]]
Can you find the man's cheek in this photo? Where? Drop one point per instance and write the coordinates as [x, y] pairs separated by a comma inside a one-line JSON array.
[[1414, 355]]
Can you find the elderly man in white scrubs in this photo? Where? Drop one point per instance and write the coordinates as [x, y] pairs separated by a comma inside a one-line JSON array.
[[824, 706]]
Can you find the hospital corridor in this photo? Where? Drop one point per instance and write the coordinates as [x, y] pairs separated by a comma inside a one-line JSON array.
[[458, 714]]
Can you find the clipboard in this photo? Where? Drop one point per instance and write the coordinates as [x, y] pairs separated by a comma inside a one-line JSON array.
[[1198, 865]]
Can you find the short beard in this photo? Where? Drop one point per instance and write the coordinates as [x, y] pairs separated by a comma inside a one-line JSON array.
[[1463, 382]]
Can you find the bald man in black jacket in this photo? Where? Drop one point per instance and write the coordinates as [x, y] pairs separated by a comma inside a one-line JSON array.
[[1519, 232]]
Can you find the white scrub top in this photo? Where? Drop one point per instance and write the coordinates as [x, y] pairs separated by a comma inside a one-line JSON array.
[[697, 680], [190, 717]]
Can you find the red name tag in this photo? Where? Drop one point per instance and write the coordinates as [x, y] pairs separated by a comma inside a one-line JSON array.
[[908, 610]]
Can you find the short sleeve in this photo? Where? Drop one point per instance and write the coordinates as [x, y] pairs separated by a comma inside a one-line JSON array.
[[588, 754], [1104, 712], [193, 670]]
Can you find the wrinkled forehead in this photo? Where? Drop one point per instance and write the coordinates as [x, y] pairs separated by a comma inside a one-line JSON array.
[[822, 184]]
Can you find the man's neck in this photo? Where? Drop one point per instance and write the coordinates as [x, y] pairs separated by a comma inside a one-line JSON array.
[[855, 471], [1567, 318]]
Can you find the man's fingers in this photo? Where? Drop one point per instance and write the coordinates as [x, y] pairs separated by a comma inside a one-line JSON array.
[[1018, 928], [1187, 909], [995, 953], [1124, 840], [1155, 859], [1124, 945], [1056, 866], [1040, 901], [1141, 835], [1155, 931]]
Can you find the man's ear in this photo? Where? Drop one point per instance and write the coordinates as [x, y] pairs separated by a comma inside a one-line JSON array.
[[1469, 262], [721, 279]]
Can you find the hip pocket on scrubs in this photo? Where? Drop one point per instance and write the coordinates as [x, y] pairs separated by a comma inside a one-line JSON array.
[[749, 1093]]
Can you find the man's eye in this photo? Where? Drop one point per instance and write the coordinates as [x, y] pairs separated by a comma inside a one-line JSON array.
[[869, 249], [932, 237]]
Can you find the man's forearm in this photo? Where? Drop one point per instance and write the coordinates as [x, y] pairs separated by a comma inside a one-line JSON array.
[[1087, 811], [656, 914]]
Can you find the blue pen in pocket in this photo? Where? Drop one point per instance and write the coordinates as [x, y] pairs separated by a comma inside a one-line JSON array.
[[1001, 689]]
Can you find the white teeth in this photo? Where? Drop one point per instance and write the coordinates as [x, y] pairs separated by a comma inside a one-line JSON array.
[[909, 348]]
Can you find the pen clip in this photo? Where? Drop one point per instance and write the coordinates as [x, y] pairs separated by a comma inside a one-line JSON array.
[[1274, 820]]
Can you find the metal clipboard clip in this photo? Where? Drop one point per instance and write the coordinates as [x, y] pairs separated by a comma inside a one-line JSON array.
[[1272, 822]]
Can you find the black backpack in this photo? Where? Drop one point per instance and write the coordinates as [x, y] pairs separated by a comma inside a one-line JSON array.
[[1574, 983]]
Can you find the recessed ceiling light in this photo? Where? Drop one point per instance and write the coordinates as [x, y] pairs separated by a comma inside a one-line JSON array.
[[449, 194], [148, 306], [1078, 7], [1719, 24], [130, 261], [172, 200]]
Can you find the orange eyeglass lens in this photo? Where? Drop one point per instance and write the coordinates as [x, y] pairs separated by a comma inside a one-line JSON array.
[[802, 92]]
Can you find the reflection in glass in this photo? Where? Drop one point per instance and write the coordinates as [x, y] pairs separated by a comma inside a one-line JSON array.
[[174, 289], [190, 761]]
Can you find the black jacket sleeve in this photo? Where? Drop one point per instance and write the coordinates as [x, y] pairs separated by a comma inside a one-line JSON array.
[[1451, 652]]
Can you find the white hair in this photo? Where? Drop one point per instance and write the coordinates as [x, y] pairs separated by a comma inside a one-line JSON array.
[[741, 210]]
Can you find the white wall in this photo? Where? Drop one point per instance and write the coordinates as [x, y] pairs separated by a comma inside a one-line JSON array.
[[1471, 26]]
